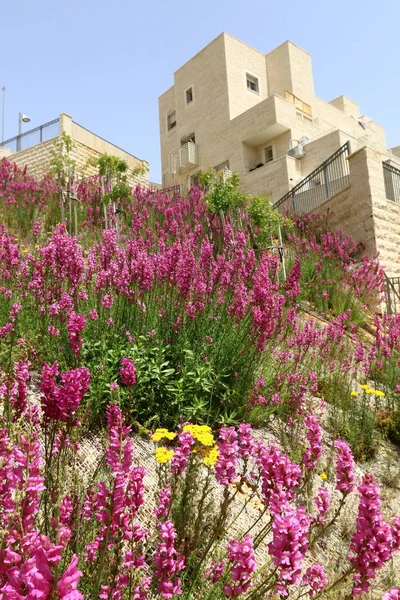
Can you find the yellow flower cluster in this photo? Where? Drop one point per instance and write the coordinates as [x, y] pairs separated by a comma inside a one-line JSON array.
[[163, 455], [201, 433], [211, 456], [371, 391], [163, 433], [354, 394], [324, 476]]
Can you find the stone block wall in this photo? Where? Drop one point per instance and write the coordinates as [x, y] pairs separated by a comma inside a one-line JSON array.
[[86, 145]]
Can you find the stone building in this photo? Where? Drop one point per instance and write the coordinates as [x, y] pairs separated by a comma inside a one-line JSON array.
[[257, 114], [33, 147]]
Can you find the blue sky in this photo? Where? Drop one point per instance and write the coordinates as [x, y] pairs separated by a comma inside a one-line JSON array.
[[106, 63]]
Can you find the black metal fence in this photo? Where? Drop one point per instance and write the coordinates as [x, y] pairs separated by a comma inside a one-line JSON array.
[[391, 176], [326, 180], [173, 190], [32, 137], [392, 292]]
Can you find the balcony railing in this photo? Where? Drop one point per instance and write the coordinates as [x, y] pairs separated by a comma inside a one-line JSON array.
[[183, 157], [32, 137], [392, 292], [324, 182], [391, 176]]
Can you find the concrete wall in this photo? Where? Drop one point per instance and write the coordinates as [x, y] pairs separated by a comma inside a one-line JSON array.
[[242, 59], [363, 211], [86, 145], [273, 179]]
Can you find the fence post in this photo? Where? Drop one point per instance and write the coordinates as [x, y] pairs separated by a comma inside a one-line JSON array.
[[326, 179]]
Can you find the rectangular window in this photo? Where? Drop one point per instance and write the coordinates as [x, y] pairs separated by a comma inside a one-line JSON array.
[[171, 120], [252, 83], [221, 166], [269, 155], [194, 180], [188, 138], [189, 95]]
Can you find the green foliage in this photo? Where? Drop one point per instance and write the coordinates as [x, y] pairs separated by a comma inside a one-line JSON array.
[[221, 190], [265, 220], [171, 383], [62, 165]]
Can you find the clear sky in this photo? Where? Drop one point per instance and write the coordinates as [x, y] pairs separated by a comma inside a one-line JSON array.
[[106, 63]]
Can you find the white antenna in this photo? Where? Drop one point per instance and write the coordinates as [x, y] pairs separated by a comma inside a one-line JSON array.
[[3, 89]]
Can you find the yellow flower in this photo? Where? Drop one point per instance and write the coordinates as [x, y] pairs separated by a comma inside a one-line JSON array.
[[354, 394], [211, 456], [24, 251], [15, 239], [163, 455], [370, 391], [324, 476], [201, 433], [379, 393], [364, 387], [162, 433], [37, 247]]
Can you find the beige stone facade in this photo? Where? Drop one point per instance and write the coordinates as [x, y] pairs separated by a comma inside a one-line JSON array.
[[258, 115], [85, 145]]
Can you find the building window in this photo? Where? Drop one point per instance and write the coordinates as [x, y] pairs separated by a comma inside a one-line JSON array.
[[269, 155], [194, 180], [171, 120], [188, 138], [189, 95], [252, 83], [221, 166]]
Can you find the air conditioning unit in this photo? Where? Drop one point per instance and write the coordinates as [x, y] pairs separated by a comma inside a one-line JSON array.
[[297, 151]]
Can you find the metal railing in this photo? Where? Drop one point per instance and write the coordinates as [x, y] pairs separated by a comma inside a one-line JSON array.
[[32, 137], [173, 190], [392, 292], [185, 156], [324, 182], [391, 176]]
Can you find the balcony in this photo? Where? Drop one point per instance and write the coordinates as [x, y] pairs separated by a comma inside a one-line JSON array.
[[183, 158]]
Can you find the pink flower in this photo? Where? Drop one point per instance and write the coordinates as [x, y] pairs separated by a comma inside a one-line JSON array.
[[182, 452], [289, 545], [168, 563], [243, 564], [393, 594], [316, 579], [127, 371], [345, 476], [67, 586], [372, 543], [76, 325], [61, 401], [314, 437], [322, 503], [228, 448], [279, 475], [245, 440]]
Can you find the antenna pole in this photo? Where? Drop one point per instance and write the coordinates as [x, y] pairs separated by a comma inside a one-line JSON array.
[[3, 89]]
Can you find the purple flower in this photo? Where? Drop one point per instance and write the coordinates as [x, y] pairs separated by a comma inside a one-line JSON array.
[[322, 503], [243, 564], [345, 476], [289, 544], [168, 563], [372, 543], [314, 437], [127, 371], [316, 579], [393, 594], [228, 448]]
